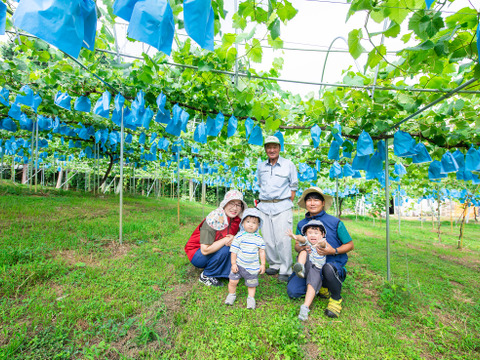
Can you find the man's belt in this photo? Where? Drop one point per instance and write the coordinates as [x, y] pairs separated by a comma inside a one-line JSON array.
[[274, 201]]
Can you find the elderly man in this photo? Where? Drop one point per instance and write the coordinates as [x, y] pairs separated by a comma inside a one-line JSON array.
[[277, 179], [339, 243]]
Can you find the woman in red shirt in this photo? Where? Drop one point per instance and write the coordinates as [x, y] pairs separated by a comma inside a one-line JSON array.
[[209, 246]]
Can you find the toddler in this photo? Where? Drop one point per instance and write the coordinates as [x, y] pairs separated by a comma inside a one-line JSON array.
[[309, 263], [246, 250]]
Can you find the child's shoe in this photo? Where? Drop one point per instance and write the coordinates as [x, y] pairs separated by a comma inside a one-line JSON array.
[[334, 308], [324, 293], [304, 310], [250, 303], [299, 269], [230, 299]]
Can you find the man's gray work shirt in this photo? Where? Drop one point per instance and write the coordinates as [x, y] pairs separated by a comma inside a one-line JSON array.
[[276, 183]]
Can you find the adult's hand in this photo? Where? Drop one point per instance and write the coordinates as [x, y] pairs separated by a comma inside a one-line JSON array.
[[328, 250], [299, 248], [228, 240]]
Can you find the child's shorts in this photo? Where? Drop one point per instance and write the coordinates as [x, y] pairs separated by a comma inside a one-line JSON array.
[[313, 275], [251, 280]]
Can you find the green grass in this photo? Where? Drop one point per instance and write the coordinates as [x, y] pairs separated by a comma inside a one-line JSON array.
[[69, 290]]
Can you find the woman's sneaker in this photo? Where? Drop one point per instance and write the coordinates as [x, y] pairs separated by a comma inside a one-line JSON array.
[[209, 281], [299, 269]]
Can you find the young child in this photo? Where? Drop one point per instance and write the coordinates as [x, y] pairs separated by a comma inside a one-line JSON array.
[[246, 249], [309, 265]]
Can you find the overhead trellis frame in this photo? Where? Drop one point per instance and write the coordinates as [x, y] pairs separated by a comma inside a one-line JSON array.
[[268, 78]]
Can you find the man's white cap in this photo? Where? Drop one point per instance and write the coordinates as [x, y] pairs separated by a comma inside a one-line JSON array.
[[271, 140]]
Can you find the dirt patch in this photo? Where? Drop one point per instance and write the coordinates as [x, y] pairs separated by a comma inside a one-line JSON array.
[[172, 299], [82, 324], [311, 351], [113, 250], [460, 296], [116, 250], [448, 320], [71, 258], [455, 283]]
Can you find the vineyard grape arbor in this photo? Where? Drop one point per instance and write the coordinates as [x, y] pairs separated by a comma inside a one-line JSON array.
[[73, 103]]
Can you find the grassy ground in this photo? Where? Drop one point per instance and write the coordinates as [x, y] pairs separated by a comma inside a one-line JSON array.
[[69, 290]]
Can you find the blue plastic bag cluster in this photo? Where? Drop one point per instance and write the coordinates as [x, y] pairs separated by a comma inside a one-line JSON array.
[[3, 17], [199, 22], [68, 25], [151, 21], [315, 132]]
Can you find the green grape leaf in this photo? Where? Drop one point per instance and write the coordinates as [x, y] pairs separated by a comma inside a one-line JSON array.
[[354, 46]]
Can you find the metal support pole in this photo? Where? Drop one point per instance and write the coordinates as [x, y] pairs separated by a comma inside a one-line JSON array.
[[178, 185], [337, 210], [36, 154], [387, 206], [109, 184], [32, 149], [375, 202], [203, 188], [399, 208], [421, 213], [433, 220], [98, 169], [328, 53], [236, 49], [155, 183], [134, 181], [67, 178], [428, 106], [13, 169], [120, 229], [451, 214], [35, 173], [150, 188], [64, 186], [356, 210], [94, 166]]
